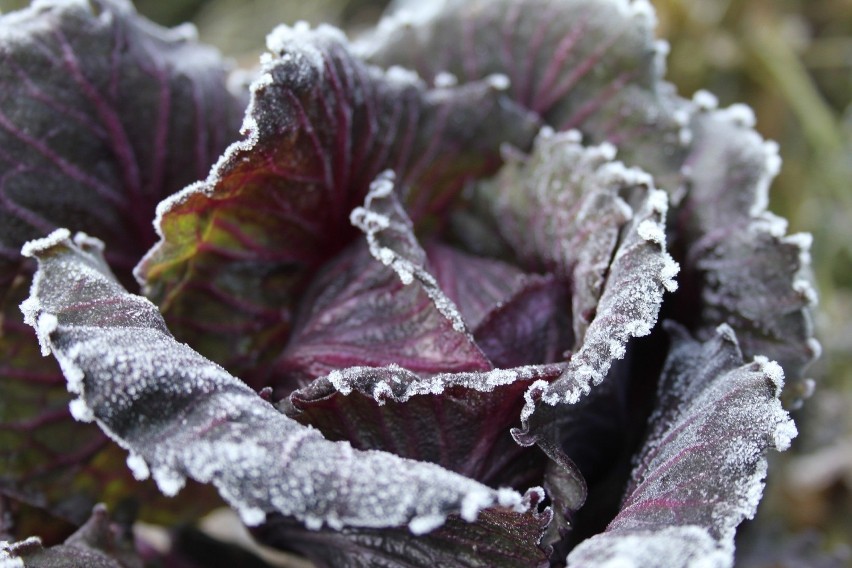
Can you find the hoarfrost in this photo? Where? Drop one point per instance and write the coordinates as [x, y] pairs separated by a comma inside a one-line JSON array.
[[80, 411], [705, 100], [30, 249], [499, 81], [283, 38], [138, 466], [672, 547], [373, 381], [6, 551], [425, 524], [253, 516], [383, 220], [445, 80], [651, 231]]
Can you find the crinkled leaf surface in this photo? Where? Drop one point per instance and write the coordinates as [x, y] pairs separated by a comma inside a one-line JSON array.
[[238, 248], [700, 473], [102, 115], [99, 543], [498, 538], [598, 225], [458, 420], [181, 415], [748, 273], [587, 64]]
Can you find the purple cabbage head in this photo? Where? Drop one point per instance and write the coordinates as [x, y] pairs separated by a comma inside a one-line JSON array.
[[495, 294]]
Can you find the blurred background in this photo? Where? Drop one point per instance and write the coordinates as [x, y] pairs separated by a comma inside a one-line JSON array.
[[791, 61]]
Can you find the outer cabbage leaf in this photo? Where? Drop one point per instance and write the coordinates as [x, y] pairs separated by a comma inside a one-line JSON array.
[[590, 65], [747, 272], [181, 415], [700, 472], [321, 126], [93, 100], [99, 543]]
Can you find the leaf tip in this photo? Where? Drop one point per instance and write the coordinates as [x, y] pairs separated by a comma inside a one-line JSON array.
[[31, 249]]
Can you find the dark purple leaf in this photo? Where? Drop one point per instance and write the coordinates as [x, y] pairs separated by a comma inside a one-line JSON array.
[[376, 304], [99, 543], [497, 539], [744, 269], [458, 420], [590, 65], [102, 115], [238, 248], [700, 472], [182, 416], [531, 327]]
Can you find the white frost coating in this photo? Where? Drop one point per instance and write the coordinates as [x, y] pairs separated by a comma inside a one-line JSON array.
[[670, 269], [773, 370], [80, 411], [658, 202], [169, 481], [32, 317], [740, 114], [805, 289], [534, 390], [401, 76], [784, 434], [339, 382], [282, 39], [674, 547], [651, 231], [46, 324], [362, 379], [499, 81], [31, 248], [88, 242], [425, 524], [445, 80], [474, 502], [252, 516], [511, 500], [138, 467], [6, 558], [620, 275], [381, 392], [705, 100], [773, 157], [815, 347]]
